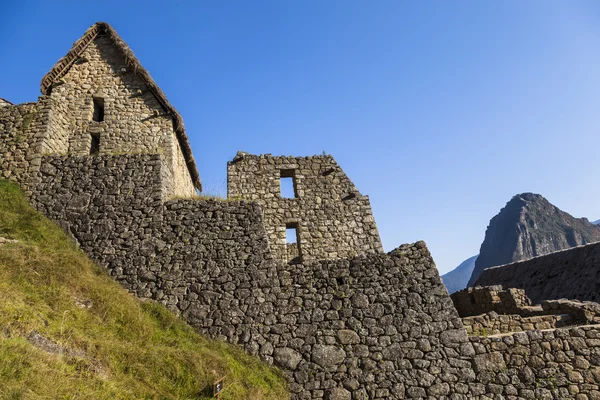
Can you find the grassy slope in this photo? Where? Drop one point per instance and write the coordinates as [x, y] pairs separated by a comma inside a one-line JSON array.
[[132, 349]]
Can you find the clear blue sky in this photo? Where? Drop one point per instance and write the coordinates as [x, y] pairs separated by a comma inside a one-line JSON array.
[[440, 111]]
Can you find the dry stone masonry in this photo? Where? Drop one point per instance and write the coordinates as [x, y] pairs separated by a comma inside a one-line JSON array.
[[493, 310], [22, 128], [479, 300], [343, 320], [335, 326], [572, 274], [329, 216], [493, 323]]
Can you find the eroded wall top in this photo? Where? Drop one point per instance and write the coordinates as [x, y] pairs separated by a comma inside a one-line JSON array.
[[310, 199]]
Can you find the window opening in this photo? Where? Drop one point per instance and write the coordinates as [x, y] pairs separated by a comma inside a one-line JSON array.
[[328, 172], [95, 145], [292, 243], [349, 196], [291, 233], [341, 281], [288, 184], [98, 109]]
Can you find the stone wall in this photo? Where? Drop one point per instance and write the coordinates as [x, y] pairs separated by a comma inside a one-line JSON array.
[[181, 185], [333, 219], [293, 255], [334, 326], [343, 321], [113, 206], [493, 323], [377, 326], [571, 274], [582, 313], [22, 131], [134, 120], [58, 129], [550, 364], [479, 300]]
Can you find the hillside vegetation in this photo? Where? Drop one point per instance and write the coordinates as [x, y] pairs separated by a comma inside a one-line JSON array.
[[67, 330]]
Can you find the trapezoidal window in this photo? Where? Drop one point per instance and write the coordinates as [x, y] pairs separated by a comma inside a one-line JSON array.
[[291, 233], [292, 243], [95, 144], [287, 180], [98, 115]]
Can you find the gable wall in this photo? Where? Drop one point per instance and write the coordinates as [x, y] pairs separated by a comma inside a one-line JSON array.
[[134, 121], [182, 181]]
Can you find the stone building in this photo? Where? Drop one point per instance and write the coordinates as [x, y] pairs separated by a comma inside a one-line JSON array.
[[326, 214], [98, 99]]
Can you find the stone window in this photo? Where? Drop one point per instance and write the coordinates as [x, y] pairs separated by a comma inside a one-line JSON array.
[[291, 232], [95, 144], [292, 243], [287, 180], [98, 115]]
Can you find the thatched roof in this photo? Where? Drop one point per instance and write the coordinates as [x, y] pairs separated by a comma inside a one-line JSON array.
[[5, 102], [64, 64]]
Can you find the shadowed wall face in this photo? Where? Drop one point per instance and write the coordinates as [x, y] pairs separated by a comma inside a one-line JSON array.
[[314, 196], [569, 274]]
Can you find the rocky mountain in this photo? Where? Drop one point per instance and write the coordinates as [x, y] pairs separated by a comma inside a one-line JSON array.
[[530, 226], [596, 222], [457, 279]]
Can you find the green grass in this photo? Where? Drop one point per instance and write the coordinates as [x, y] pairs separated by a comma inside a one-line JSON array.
[[133, 349]]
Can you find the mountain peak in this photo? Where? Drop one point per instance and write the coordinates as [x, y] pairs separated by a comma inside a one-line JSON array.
[[529, 226], [528, 196]]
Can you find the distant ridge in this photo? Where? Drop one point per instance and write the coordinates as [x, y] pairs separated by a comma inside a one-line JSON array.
[[457, 279], [530, 226]]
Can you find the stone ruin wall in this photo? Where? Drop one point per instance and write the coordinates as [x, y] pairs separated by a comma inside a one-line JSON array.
[[479, 300], [540, 364], [23, 130], [333, 219], [15, 140], [493, 323], [377, 326], [571, 274], [210, 262], [134, 121], [491, 310]]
